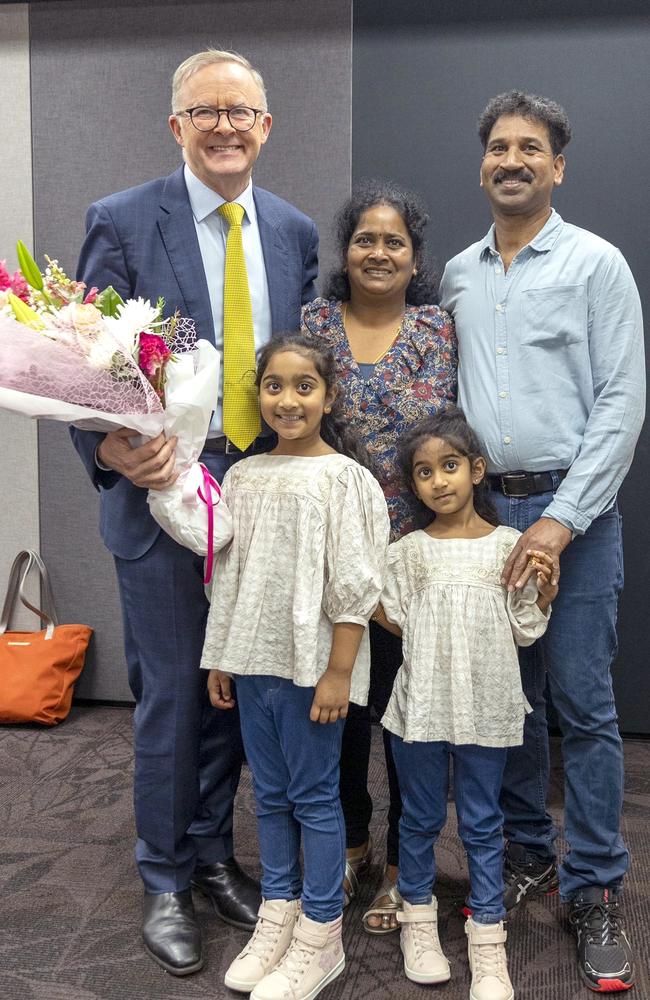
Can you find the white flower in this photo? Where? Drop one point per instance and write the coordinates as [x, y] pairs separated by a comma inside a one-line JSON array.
[[101, 355], [6, 312], [134, 317]]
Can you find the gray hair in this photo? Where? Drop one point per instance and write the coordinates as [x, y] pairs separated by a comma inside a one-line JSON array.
[[207, 58], [532, 107]]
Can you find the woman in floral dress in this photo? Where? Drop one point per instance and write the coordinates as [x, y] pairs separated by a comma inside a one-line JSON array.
[[396, 357]]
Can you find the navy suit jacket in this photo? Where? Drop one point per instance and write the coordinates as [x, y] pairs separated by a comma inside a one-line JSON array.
[[143, 242]]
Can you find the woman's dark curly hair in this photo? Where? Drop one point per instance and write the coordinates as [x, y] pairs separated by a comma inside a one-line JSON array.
[[451, 426], [335, 429], [423, 287]]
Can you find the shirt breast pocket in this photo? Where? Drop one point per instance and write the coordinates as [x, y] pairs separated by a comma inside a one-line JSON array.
[[554, 316]]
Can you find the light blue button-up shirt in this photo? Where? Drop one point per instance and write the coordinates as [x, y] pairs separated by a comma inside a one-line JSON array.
[[212, 233], [551, 361]]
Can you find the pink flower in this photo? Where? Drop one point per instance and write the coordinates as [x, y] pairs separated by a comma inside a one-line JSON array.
[[13, 282], [20, 286], [152, 359], [91, 295]]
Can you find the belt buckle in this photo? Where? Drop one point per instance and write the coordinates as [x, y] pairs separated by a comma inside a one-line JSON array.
[[513, 475], [231, 449]]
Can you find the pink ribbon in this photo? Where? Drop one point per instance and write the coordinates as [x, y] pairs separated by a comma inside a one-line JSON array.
[[211, 487]]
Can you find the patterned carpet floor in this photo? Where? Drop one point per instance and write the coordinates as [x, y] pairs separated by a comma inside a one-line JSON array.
[[70, 897]]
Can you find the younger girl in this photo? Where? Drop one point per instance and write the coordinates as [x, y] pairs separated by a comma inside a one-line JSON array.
[[291, 600], [458, 692]]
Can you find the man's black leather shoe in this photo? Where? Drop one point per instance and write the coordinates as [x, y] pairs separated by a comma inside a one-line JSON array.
[[170, 932], [235, 895]]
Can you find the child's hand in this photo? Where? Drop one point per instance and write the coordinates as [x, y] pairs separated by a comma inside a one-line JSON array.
[[547, 568], [379, 616], [220, 689], [331, 698]]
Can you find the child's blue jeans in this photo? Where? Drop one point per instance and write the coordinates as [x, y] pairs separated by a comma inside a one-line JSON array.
[[295, 768], [423, 771]]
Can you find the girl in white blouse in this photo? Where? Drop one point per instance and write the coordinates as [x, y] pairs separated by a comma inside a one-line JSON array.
[[291, 600], [458, 692]]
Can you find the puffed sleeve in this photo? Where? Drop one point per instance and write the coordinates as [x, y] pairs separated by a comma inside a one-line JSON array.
[[356, 544], [392, 598], [527, 621]]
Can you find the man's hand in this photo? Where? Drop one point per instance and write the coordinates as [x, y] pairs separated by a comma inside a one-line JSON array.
[[220, 689], [331, 697], [545, 535], [151, 465]]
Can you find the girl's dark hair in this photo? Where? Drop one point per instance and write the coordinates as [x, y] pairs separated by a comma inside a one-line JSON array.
[[335, 429], [423, 287], [451, 426]]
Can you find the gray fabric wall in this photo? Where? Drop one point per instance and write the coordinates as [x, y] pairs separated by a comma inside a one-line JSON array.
[[440, 65], [19, 515], [100, 95]]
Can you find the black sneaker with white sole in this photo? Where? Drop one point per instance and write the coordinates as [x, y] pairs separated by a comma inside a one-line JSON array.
[[525, 875], [604, 953]]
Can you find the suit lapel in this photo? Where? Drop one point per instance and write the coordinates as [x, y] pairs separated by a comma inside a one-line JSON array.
[[178, 233], [275, 261]]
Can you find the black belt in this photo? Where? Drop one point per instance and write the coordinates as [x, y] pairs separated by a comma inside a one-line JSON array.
[[224, 446], [523, 484]]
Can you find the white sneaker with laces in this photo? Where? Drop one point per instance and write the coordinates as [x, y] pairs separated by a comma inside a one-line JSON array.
[[313, 959], [424, 961], [270, 940], [487, 960]]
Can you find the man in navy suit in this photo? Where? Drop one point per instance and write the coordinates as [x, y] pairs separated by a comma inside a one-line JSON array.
[[166, 238]]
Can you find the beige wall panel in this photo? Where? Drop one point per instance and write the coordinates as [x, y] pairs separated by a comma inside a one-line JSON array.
[[19, 503]]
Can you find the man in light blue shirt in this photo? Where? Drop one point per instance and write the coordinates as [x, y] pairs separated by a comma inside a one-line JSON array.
[[551, 376]]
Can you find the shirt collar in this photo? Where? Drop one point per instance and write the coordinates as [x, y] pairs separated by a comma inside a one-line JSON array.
[[544, 240], [204, 201]]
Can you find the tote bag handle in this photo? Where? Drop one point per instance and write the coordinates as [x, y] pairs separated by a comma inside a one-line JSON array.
[[16, 588]]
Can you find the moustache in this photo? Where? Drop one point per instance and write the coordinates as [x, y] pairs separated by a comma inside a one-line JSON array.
[[513, 175]]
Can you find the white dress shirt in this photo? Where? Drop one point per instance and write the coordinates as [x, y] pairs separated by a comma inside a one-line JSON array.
[[212, 233]]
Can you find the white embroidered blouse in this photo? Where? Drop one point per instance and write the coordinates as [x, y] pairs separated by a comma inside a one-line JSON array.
[[459, 680], [309, 550]]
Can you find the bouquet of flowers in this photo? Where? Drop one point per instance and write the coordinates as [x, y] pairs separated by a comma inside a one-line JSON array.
[[84, 356], [93, 360]]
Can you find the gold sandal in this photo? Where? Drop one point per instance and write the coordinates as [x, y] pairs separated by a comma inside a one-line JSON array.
[[354, 869], [387, 891]]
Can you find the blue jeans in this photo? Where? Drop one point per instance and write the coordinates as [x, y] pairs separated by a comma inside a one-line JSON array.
[[423, 771], [295, 768], [574, 657]]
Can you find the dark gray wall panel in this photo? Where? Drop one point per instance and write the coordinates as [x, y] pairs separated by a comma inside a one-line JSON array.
[[422, 74], [101, 74]]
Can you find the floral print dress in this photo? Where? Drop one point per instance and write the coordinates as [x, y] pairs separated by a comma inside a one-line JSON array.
[[416, 377]]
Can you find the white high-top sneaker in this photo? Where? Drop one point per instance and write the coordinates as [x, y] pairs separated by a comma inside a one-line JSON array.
[[424, 961], [487, 960], [270, 940], [313, 959]]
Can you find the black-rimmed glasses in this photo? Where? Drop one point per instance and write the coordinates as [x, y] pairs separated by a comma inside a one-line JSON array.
[[206, 119]]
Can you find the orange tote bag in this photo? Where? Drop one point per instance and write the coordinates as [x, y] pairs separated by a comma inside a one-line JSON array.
[[38, 670]]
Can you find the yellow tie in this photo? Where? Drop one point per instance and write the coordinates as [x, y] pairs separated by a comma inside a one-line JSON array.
[[241, 411]]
